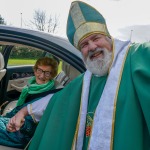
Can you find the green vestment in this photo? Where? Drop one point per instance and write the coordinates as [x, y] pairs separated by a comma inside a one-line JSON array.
[[57, 127]]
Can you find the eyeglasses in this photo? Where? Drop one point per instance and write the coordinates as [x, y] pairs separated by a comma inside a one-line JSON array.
[[46, 73]]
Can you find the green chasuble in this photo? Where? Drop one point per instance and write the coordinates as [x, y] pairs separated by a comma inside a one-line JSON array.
[[57, 127]]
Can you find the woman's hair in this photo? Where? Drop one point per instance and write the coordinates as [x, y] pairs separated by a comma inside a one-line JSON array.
[[46, 61]]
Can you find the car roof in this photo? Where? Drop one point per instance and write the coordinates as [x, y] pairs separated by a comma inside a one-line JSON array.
[[53, 38], [56, 45]]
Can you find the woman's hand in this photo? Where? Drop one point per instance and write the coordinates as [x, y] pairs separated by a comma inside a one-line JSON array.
[[16, 122]]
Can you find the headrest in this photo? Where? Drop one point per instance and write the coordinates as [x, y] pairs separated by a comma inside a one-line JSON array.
[[1, 61]]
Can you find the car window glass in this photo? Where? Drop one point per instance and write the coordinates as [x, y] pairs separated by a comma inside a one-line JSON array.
[[57, 59], [66, 72], [21, 55]]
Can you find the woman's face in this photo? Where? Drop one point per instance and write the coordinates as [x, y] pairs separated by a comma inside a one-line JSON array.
[[43, 74]]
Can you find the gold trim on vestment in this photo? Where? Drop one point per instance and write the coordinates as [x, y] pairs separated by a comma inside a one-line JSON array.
[[78, 121], [113, 52], [76, 134], [87, 28], [77, 126], [115, 102]]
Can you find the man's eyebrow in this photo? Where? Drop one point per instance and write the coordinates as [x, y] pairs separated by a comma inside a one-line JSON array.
[[81, 44]]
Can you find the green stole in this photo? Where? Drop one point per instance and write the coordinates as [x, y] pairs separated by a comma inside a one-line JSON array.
[[34, 88]]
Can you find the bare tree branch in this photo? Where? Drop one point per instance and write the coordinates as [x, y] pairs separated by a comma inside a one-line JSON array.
[[2, 20], [43, 23]]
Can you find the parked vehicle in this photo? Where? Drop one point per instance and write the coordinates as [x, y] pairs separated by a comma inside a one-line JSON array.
[[19, 43]]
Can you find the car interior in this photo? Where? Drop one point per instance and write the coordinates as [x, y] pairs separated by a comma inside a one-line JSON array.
[[67, 74], [16, 78]]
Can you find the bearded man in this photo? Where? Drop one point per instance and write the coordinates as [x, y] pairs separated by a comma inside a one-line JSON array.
[[107, 107]]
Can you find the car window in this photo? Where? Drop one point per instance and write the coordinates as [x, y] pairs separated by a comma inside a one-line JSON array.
[[26, 55], [22, 55]]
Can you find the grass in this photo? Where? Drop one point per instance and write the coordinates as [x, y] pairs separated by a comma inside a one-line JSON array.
[[14, 62], [18, 62]]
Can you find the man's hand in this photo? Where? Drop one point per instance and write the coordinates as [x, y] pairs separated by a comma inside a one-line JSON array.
[[16, 122]]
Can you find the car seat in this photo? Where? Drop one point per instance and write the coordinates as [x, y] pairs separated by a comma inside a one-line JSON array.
[[67, 74]]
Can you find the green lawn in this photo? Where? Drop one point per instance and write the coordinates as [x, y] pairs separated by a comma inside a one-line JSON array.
[[13, 62], [16, 62]]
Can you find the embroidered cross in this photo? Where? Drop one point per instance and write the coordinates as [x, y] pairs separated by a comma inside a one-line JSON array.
[[89, 122]]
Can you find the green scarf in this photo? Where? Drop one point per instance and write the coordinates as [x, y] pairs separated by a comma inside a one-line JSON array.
[[34, 88]]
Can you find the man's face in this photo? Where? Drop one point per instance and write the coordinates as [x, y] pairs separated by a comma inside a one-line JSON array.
[[97, 53]]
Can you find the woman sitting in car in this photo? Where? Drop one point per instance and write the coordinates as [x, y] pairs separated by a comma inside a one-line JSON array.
[[45, 69]]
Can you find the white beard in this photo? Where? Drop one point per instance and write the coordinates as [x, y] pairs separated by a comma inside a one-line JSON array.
[[99, 66]]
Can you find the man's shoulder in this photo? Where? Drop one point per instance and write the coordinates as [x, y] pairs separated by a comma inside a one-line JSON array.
[[140, 45], [78, 78], [77, 81], [138, 50]]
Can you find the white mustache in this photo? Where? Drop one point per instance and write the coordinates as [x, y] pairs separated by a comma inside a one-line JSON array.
[[91, 53]]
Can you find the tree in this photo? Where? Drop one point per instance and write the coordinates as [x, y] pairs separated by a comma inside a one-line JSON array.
[[2, 21], [44, 23]]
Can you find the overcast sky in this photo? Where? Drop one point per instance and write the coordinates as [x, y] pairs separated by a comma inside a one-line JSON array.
[[119, 14]]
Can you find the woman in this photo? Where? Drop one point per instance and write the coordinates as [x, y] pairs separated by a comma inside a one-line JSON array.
[[45, 70], [41, 84]]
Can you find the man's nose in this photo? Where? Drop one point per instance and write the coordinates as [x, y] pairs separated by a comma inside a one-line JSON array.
[[92, 46]]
